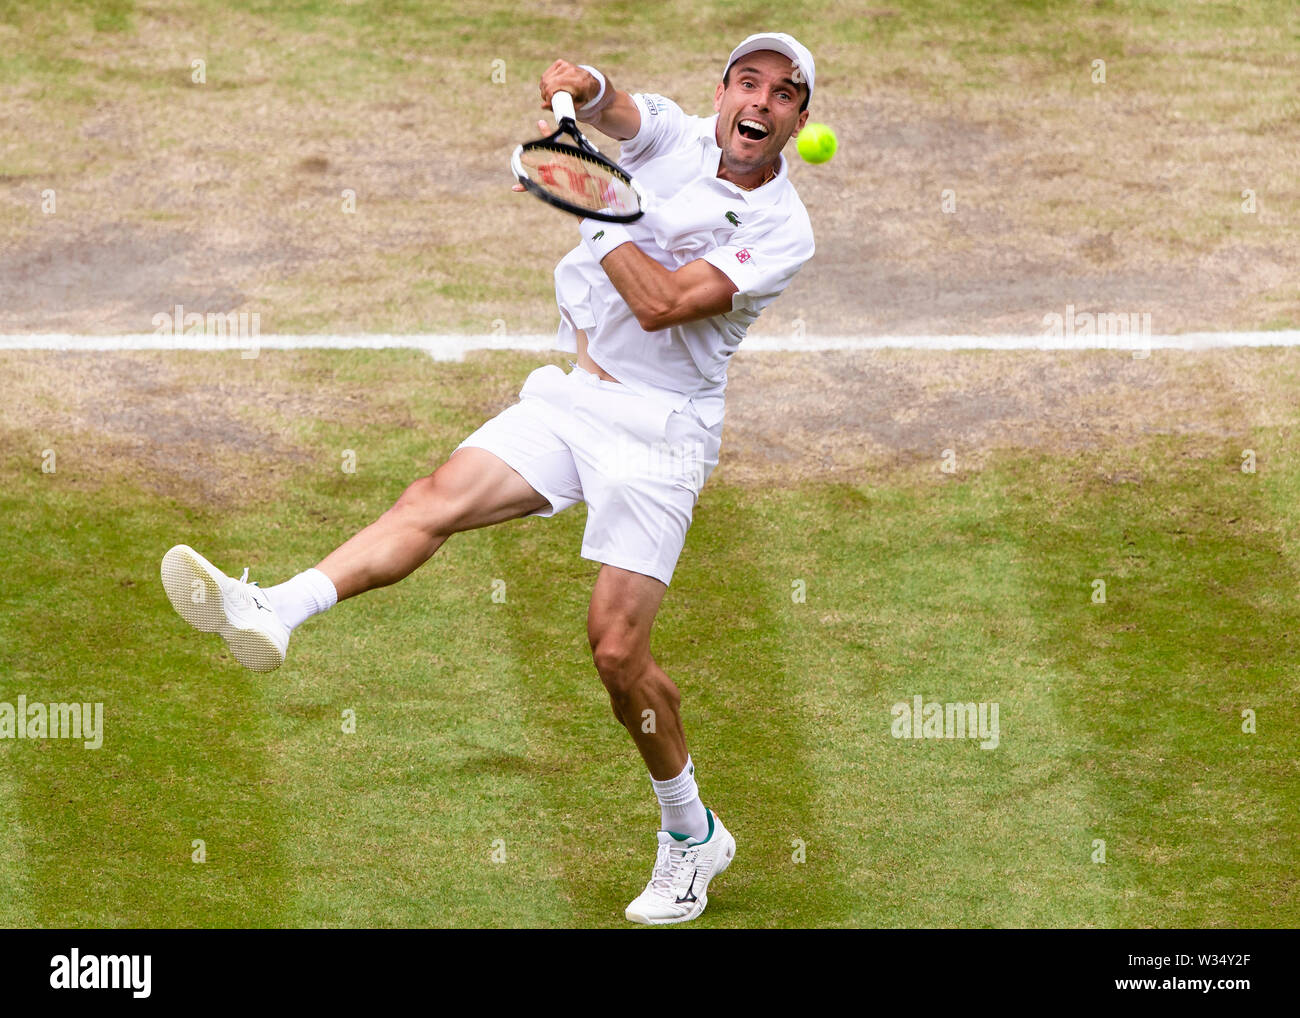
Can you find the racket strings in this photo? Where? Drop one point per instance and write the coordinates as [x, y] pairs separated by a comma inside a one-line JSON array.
[[577, 179]]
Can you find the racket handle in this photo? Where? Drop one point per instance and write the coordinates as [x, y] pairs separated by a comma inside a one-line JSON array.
[[562, 106]]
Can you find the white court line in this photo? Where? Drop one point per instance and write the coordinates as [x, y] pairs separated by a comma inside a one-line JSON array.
[[454, 347]]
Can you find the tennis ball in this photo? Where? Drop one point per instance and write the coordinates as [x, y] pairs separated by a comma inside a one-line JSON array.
[[816, 143]]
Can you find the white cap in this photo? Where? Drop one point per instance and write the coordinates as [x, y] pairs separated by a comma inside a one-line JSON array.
[[781, 43]]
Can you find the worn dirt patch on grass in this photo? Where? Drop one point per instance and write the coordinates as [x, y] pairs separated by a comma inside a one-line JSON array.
[[215, 430], [986, 216], [204, 430], [230, 195], [849, 416]]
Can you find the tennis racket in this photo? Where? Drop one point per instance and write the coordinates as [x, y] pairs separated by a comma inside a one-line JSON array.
[[574, 176]]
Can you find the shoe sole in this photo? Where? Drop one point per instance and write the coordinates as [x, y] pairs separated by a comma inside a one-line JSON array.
[[194, 589], [724, 860]]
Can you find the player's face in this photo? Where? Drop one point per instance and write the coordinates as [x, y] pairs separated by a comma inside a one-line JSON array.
[[763, 89]]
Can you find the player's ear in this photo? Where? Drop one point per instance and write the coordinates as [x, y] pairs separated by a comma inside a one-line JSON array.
[[803, 119], [717, 97]]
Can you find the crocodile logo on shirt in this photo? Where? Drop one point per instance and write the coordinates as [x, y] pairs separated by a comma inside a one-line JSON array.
[[598, 236], [733, 219]]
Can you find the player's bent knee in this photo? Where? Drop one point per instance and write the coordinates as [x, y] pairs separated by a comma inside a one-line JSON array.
[[626, 670], [613, 659]]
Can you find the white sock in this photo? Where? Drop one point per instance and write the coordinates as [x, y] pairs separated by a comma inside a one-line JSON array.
[[297, 600], [680, 809]]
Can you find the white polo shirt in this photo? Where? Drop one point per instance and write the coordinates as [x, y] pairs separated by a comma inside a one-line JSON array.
[[758, 238]]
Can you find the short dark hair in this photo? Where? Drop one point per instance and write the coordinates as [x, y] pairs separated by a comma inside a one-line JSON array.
[[726, 83]]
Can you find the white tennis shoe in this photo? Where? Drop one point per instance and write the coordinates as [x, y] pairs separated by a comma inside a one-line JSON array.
[[236, 610], [678, 886]]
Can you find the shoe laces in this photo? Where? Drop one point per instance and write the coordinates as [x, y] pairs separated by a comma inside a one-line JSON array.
[[667, 861], [238, 591]]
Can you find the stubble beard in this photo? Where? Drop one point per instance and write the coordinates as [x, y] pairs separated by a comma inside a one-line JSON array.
[[740, 167]]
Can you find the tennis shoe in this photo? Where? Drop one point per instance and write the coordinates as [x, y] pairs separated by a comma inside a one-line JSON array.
[[236, 610], [679, 883]]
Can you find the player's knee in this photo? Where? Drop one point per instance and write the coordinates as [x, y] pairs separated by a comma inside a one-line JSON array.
[[427, 504], [630, 678], [613, 657], [621, 663]]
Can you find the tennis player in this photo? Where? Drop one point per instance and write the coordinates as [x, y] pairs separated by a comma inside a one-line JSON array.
[[653, 311]]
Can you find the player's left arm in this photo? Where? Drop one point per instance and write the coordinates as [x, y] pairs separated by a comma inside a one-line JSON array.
[[661, 298]]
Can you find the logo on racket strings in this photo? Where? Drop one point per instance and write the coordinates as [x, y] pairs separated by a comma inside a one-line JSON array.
[[576, 182]]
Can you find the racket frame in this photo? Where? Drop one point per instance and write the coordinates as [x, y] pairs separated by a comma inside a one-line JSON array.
[[567, 126]]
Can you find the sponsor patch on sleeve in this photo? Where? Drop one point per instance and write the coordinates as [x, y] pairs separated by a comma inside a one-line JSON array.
[[743, 255]]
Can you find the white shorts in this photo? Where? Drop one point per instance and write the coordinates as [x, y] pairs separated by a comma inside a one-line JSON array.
[[638, 465]]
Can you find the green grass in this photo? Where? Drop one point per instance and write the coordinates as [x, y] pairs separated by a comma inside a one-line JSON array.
[[482, 723]]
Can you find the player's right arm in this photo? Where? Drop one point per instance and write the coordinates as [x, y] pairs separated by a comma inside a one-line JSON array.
[[618, 117]]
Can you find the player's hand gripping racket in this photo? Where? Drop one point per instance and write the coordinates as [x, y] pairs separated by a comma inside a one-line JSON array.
[[575, 177]]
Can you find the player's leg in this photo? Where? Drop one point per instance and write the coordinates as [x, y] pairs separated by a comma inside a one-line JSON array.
[[474, 488], [516, 464], [693, 844], [622, 611]]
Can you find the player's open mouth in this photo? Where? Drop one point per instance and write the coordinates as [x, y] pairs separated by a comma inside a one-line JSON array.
[[751, 130]]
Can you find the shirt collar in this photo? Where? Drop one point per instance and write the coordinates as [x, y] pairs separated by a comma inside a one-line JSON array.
[[767, 194]]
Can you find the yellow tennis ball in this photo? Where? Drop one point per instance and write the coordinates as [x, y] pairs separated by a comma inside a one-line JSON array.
[[816, 143]]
